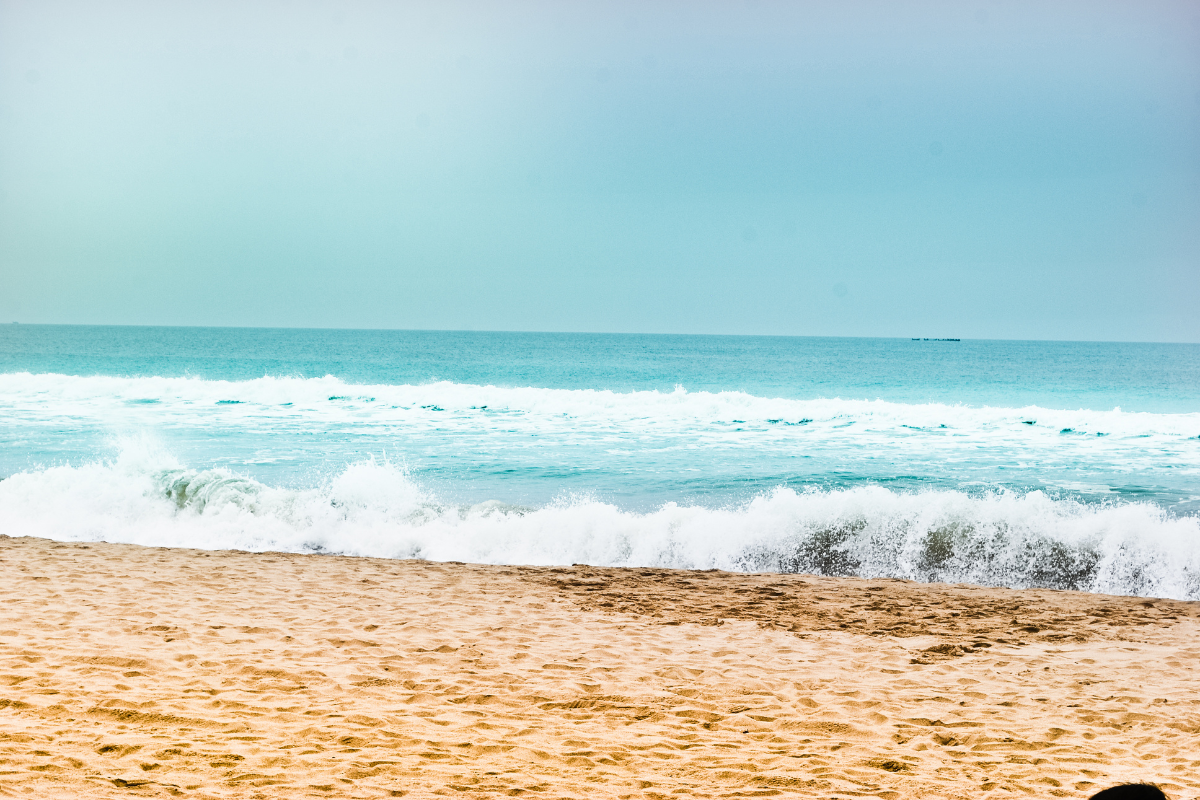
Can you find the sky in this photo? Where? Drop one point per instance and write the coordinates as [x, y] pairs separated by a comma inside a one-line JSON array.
[[1012, 170]]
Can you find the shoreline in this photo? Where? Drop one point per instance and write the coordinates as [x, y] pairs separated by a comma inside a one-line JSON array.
[[130, 670]]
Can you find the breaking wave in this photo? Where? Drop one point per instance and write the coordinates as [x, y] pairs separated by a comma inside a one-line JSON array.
[[376, 509], [332, 400]]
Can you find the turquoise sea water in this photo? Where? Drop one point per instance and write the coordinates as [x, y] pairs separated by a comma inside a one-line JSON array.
[[1074, 465]]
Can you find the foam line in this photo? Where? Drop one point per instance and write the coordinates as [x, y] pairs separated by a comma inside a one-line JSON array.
[[376, 509]]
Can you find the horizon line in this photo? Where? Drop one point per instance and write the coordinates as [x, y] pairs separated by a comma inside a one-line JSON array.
[[580, 333]]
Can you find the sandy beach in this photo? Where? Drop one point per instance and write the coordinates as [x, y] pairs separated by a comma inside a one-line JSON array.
[[128, 671]]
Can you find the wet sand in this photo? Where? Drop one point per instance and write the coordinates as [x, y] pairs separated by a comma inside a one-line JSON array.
[[129, 671]]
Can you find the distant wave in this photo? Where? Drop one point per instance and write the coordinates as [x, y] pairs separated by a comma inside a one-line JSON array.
[[331, 399], [375, 509]]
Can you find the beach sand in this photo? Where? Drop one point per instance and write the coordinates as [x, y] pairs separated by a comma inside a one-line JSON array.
[[128, 671]]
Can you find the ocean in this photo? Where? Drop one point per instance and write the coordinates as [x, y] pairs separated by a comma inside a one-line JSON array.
[[1068, 465]]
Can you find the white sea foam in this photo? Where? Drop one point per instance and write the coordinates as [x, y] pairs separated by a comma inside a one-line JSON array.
[[589, 432], [332, 399], [376, 509]]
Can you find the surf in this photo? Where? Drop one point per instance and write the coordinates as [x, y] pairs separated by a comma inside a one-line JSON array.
[[376, 508]]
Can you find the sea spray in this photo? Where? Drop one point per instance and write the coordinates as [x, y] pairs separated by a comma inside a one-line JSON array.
[[375, 508]]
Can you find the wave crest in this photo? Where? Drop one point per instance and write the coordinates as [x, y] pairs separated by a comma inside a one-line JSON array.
[[1019, 540], [331, 399]]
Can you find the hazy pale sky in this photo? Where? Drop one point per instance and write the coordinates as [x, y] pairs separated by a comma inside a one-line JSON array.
[[974, 169]]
